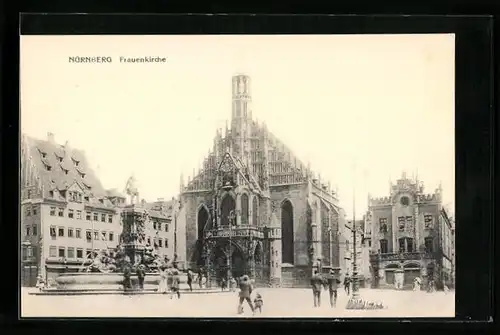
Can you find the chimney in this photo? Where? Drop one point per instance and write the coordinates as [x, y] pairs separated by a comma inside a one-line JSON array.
[[67, 148], [51, 138]]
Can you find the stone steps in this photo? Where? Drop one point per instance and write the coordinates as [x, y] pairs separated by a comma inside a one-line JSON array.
[[116, 292]]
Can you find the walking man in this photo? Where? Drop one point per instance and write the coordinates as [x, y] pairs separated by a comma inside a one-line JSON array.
[[190, 280], [174, 289], [317, 285], [347, 284], [127, 274], [141, 274], [245, 293], [333, 283]]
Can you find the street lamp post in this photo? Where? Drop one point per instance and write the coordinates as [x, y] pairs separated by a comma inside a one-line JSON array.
[[27, 260], [231, 217], [356, 302]]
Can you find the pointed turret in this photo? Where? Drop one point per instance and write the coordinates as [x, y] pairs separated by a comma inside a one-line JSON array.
[[181, 183]]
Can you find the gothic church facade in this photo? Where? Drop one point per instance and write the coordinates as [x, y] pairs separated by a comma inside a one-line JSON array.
[[254, 208]]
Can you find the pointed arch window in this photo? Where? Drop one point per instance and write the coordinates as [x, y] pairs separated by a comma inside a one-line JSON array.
[[255, 212], [244, 209]]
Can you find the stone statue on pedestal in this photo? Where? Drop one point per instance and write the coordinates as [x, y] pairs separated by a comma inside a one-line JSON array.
[[132, 190]]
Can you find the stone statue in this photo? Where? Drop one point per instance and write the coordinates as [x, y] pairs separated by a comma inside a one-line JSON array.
[[132, 190]]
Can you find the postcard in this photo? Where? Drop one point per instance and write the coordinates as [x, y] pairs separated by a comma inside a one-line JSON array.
[[237, 176]]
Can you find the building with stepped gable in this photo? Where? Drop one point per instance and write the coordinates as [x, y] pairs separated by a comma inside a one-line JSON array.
[[254, 208], [66, 214], [410, 234]]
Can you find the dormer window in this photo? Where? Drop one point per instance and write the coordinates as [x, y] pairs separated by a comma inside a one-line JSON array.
[[47, 167], [76, 162], [42, 154], [64, 170]]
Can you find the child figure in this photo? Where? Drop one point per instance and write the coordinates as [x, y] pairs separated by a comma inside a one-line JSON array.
[[258, 302], [232, 284], [40, 283]]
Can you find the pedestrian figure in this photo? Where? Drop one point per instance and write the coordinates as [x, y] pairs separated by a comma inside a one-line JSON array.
[[163, 287], [416, 284], [190, 280], [258, 302], [245, 293], [347, 284], [223, 284], [200, 279], [141, 275], [204, 281], [431, 286], [317, 285], [175, 284], [127, 274], [232, 283], [40, 283], [333, 283], [446, 289]]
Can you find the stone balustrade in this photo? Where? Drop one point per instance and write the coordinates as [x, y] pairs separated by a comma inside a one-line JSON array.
[[235, 231], [400, 256]]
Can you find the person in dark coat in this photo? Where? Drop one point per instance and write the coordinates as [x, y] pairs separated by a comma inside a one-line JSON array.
[[127, 274], [333, 284], [141, 275], [223, 284], [347, 284], [316, 285], [190, 280], [245, 293], [200, 279]]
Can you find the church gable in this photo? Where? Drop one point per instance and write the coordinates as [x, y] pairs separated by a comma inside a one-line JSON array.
[[232, 172]]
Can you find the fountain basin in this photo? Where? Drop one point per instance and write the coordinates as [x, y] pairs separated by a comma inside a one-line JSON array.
[[96, 281]]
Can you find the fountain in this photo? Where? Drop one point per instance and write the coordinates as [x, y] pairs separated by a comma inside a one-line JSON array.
[[106, 273]]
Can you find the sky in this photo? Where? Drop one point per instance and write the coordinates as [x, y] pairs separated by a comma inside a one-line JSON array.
[[360, 108]]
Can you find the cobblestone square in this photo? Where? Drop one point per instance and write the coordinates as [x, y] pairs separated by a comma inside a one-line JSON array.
[[277, 303]]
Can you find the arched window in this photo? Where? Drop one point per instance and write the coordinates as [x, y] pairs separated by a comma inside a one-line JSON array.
[[326, 236], [287, 238], [202, 221], [255, 212], [383, 246], [228, 205], [244, 208]]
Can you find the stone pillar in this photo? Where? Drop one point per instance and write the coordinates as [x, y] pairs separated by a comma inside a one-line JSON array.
[[275, 254], [423, 274], [251, 266]]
